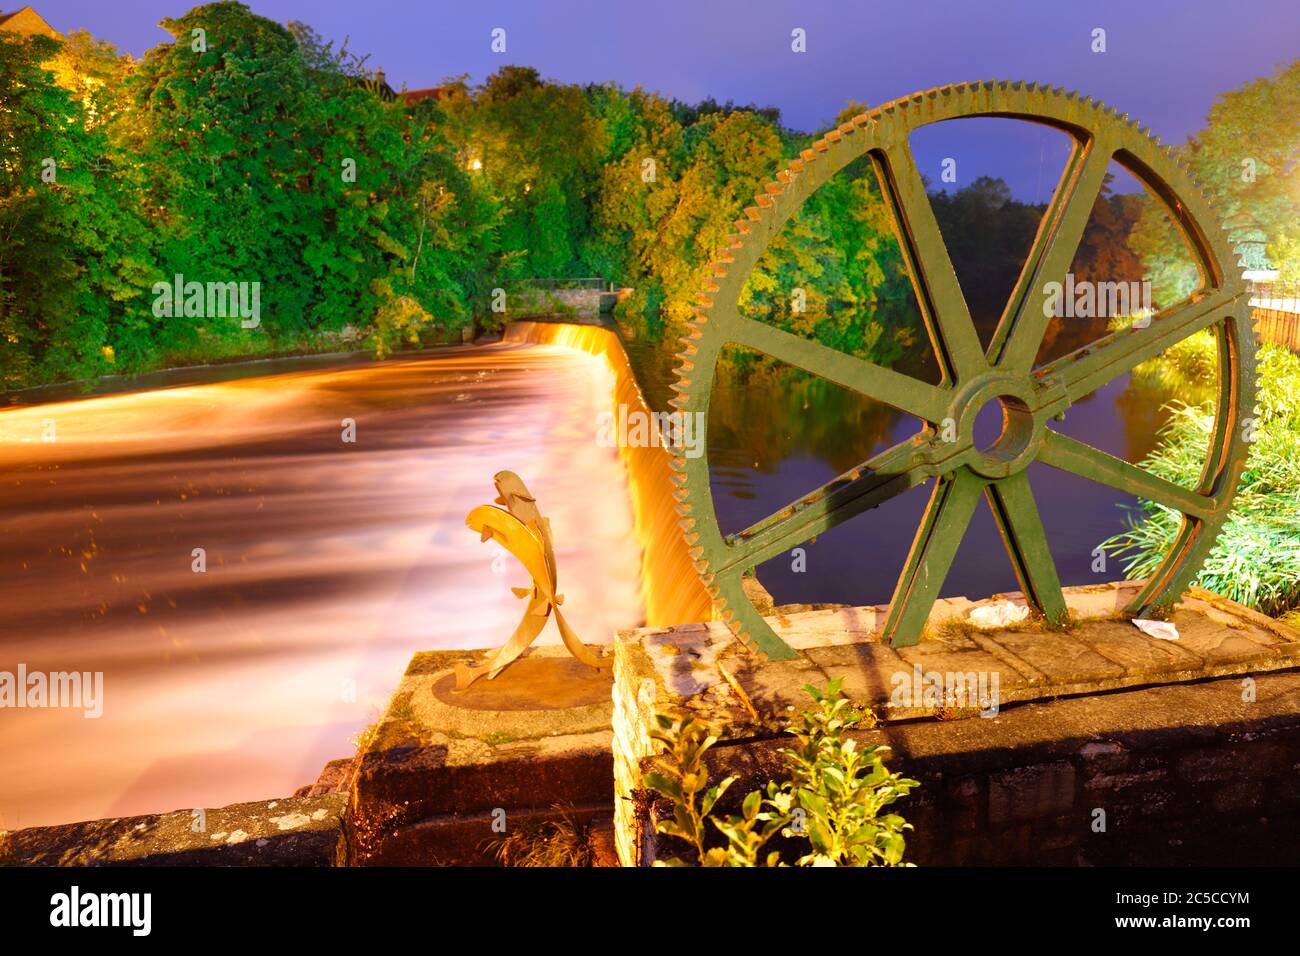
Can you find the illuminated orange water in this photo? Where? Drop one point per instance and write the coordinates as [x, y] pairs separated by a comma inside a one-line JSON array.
[[328, 563], [670, 586]]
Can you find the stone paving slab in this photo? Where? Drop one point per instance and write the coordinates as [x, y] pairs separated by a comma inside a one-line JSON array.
[[701, 669], [1059, 657]]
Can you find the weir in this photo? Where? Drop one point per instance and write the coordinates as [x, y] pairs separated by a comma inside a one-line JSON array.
[[670, 587]]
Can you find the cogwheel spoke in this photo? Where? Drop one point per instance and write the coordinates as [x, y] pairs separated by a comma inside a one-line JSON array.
[[872, 483], [946, 517], [943, 306], [1078, 458], [900, 391], [1084, 371], [1021, 526], [1019, 333]]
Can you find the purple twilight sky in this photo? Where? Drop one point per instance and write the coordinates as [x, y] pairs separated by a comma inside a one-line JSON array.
[[1164, 60]]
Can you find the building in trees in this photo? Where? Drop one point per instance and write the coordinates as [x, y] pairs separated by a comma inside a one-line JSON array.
[[26, 22]]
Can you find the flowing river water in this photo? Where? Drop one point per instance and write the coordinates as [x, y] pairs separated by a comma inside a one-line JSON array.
[[328, 563]]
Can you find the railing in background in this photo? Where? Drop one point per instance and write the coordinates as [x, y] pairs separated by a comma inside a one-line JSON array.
[[595, 283], [1276, 307]]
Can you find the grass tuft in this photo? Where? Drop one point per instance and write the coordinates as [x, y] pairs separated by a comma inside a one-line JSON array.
[[565, 841]]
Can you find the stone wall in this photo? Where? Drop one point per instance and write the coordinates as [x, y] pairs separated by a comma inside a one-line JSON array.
[[1104, 745], [446, 772], [1184, 774], [580, 303], [294, 831]]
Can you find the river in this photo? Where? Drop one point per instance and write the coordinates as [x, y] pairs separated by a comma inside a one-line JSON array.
[[328, 563]]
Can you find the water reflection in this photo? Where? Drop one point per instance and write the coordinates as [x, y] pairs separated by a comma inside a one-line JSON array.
[[776, 433]]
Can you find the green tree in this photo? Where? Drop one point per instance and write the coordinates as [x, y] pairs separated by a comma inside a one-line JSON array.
[[537, 146], [226, 105], [1248, 159], [75, 253]]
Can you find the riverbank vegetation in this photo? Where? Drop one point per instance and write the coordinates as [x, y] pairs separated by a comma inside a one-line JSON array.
[[246, 151], [1256, 559]]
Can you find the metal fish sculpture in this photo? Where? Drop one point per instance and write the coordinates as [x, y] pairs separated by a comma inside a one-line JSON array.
[[521, 530]]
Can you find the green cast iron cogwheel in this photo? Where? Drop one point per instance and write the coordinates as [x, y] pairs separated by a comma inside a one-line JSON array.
[[970, 374]]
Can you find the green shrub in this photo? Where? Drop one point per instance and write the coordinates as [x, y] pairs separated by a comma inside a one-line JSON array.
[[830, 805], [1256, 559]]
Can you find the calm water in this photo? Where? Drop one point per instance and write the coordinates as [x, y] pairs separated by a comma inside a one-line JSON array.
[[328, 563], [777, 435]]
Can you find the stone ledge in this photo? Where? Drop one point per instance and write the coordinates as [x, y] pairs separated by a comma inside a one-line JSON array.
[[700, 668], [466, 839], [307, 831]]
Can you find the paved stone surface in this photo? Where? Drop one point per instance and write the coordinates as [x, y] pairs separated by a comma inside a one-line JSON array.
[[1059, 657], [699, 668]]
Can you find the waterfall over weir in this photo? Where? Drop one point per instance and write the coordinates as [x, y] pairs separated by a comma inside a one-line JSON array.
[[670, 587]]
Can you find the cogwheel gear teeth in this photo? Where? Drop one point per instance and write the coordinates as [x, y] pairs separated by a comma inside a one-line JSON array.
[[1057, 106]]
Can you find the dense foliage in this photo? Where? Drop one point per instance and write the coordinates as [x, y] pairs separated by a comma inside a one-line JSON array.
[[246, 151], [1248, 160]]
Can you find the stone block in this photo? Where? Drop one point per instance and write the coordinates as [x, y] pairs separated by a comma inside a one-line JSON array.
[[537, 736], [294, 831], [1029, 793]]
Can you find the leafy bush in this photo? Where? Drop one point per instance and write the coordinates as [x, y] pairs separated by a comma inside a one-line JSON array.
[[1256, 559], [830, 804]]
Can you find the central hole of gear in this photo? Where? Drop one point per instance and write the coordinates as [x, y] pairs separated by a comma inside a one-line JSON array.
[[1003, 427]]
